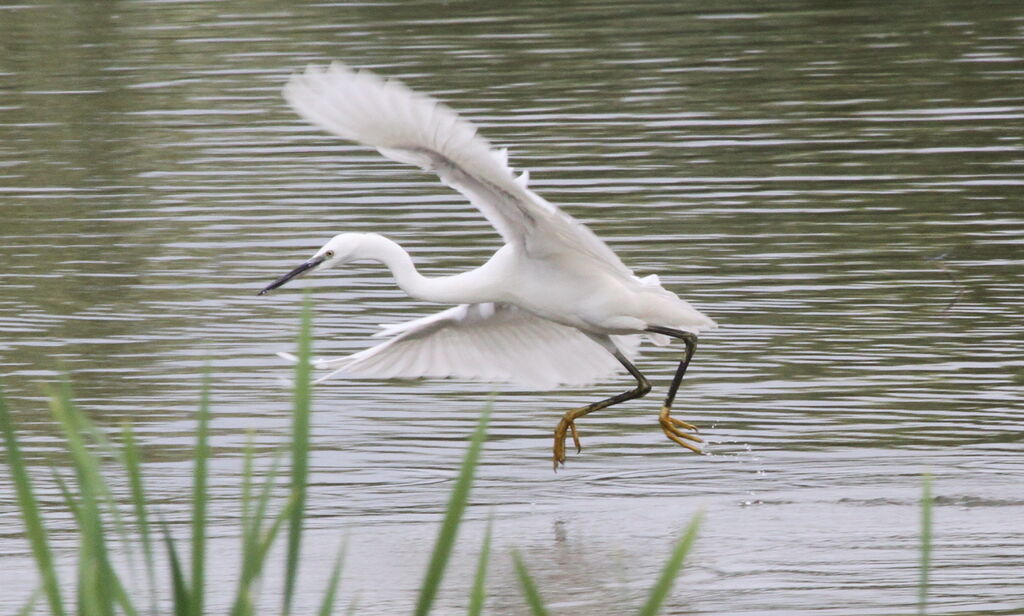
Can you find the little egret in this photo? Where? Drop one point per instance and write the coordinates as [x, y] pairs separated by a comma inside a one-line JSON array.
[[553, 306]]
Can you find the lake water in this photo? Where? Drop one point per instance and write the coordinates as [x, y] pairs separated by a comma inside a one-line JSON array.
[[838, 185]]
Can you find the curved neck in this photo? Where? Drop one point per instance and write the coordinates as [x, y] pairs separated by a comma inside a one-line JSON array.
[[464, 288]]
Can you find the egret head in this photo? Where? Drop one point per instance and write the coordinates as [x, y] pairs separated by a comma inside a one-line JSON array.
[[339, 250]]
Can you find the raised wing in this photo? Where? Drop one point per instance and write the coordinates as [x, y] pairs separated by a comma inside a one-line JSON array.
[[485, 342], [413, 128]]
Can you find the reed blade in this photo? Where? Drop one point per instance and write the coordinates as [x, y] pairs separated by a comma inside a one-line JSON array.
[[327, 605], [671, 569], [452, 517], [182, 596], [136, 483], [29, 506], [29, 608], [97, 581], [299, 451], [529, 587], [926, 545], [200, 476], [478, 596]]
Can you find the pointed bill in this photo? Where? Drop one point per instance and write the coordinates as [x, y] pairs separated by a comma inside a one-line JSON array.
[[295, 273]]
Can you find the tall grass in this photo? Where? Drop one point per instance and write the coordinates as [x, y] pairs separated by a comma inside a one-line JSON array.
[[926, 545], [100, 590], [452, 519], [301, 411], [103, 526], [668, 575], [478, 596], [34, 529], [530, 590]]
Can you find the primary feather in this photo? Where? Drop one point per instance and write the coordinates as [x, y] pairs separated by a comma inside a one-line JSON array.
[[486, 342], [409, 127]]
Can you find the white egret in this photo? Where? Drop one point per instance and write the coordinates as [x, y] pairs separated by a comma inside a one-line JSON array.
[[553, 306]]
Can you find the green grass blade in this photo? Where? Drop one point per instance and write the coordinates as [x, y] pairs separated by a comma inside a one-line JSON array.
[[247, 516], [247, 456], [260, 546], [100, 588], [533, 598], [668, 573], [96, 576], [452, 518], [263, 503], [246, 598], [253, 552], [133, 464], [119, 593], [182, 596], [267, 541], [478, 596], [69, 498], [327, 605], [199, 486], [34, 528], [30, 605], [299, 452], [243, 601], [103, 495], [926, 545], [249, 530], [108, 588]]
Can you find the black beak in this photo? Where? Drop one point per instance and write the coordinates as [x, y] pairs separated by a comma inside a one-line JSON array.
[[295, 273]]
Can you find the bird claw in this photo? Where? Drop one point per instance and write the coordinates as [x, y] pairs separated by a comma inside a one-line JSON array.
[[567, 424], [676, 430], [575, 437], [673, 429]]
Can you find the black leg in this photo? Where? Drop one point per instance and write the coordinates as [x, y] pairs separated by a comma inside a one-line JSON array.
[[672, 427], [568, 422]]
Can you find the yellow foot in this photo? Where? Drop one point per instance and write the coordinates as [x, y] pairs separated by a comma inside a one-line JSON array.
[[673, 428], [567, 424]]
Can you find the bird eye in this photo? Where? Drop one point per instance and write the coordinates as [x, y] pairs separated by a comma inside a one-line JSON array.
[[329, 254]]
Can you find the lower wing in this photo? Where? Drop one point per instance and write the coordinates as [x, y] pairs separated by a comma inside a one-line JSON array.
[[486, 342]]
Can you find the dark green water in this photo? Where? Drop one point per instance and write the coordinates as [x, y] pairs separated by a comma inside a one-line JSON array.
[[839, 186]]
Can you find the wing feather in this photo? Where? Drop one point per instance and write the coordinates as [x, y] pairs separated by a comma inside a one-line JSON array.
[[487, 342], [413, 128]]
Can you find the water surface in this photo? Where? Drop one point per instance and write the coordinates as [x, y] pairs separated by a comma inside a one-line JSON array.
[[840, 188]]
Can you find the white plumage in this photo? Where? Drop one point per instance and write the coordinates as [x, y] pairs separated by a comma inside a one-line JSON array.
[[411, 128], [553, 306], [486, 342]]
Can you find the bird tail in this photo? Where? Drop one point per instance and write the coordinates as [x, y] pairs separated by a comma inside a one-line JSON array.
[[679, 314]]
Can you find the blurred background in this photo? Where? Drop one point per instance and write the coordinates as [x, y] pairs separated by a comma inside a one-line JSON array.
[[837, 184]]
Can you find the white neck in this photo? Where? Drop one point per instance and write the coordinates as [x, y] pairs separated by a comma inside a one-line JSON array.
[[466, 288]]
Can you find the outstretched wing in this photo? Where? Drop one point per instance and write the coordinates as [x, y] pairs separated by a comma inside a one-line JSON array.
[[486, 342], [413, 128]]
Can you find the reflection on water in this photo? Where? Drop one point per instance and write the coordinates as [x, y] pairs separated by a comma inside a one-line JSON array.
[[839, 188]]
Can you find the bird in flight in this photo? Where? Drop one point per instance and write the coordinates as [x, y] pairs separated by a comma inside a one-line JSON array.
[[553, 306]]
